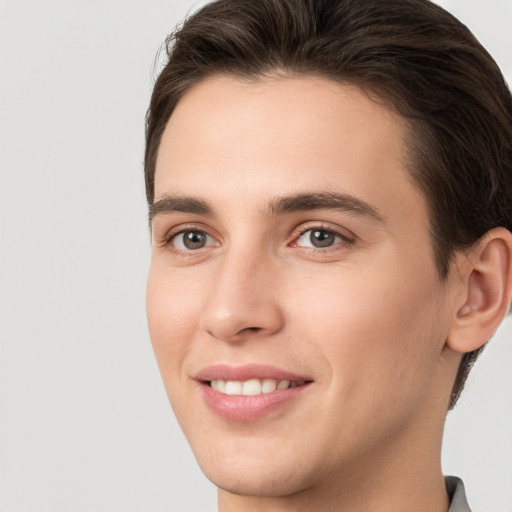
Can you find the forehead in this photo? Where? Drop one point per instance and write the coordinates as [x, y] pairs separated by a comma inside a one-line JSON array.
[[310, 117], [230, 138]]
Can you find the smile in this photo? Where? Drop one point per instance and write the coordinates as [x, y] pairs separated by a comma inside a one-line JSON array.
[[253, 387], [249, 392]]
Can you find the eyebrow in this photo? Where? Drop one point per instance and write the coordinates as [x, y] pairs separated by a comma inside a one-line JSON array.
[[278, 206], [324, 201], [184, 204]]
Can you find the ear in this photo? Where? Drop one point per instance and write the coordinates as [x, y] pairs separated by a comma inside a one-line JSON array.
[[485, 293]]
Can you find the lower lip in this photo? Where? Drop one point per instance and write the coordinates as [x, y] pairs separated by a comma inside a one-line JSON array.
[[248, 408]]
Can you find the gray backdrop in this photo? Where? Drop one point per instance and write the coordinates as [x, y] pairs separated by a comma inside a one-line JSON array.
[[85, 423]]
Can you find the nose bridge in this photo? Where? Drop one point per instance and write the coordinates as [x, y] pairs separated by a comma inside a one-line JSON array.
[[243, 300]]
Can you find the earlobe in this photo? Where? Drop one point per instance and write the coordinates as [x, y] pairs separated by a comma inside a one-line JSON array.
[[487, 283]]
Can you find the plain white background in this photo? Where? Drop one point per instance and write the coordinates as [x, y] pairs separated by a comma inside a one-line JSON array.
[[85, 423]]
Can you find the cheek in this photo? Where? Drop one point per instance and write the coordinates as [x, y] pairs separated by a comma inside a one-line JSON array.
[[375, 331], [172, 320]]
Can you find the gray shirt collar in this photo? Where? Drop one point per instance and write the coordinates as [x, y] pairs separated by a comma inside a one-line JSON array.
[[457, 494]]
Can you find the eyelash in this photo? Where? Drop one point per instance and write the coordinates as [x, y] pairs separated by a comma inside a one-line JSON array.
[[345, 240], [173, 234]]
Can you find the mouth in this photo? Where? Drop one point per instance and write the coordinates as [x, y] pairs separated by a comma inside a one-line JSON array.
[[253, 387], [249, 392]]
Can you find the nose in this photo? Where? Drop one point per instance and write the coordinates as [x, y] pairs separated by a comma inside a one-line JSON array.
[[244, 301]]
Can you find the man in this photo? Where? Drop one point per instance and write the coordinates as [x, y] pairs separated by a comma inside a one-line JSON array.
[[329, 186]]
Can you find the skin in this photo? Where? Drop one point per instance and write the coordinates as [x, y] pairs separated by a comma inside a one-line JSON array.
[[367, 317]]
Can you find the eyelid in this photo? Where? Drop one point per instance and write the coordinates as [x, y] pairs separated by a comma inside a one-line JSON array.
[[347, 236], [180, 245], [174, 231]]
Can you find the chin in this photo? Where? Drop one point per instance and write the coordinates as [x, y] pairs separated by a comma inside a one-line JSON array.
[[255, 469], [272, 482]]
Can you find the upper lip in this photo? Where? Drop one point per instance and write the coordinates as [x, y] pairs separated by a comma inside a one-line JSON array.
[[247, 372]]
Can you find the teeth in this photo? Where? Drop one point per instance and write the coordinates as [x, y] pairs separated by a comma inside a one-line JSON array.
[[268, 385], [233, 387], [253, 386], [283, 384]]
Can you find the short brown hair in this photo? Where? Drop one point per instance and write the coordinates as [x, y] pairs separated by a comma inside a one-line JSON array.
[[411, 54]]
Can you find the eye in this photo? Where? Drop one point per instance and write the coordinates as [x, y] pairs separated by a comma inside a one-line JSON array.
[[319, 238], [190, 240]]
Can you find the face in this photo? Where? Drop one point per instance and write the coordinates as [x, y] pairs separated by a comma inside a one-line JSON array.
[[293, 301]]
